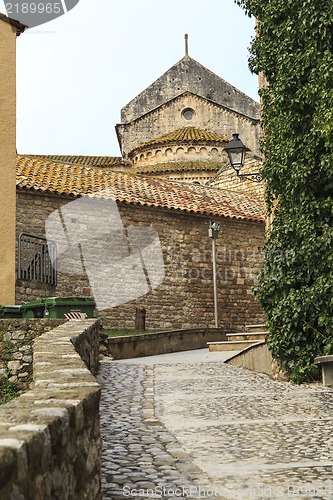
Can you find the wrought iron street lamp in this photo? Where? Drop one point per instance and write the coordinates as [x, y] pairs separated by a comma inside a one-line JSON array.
[[236, 151]]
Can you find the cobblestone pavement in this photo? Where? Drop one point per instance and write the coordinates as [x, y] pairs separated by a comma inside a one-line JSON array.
[[181, 428]]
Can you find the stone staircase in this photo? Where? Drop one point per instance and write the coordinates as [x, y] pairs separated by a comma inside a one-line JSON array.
[[239, 341]]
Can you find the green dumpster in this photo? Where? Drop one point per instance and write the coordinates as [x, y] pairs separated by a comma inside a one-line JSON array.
[[60, 307], [33, 309], [10, 312]]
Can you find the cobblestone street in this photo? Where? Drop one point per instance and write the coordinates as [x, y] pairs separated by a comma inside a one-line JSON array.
[[186, 425]]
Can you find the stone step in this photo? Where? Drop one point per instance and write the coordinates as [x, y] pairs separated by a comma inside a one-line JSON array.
[[256, 328], [247, 336], [230, 345]]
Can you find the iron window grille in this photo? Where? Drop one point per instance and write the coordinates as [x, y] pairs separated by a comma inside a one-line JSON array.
[[37, 259]]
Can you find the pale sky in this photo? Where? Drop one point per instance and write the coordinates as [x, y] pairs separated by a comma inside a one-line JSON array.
[[74, 74]]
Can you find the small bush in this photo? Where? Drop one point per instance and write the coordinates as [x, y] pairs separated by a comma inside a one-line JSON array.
[[8, 391]]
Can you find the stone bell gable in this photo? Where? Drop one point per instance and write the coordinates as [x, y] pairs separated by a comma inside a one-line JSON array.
[[189, 75], [187, 110]]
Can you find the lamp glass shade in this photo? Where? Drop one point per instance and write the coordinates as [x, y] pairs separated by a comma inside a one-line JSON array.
[[236, 152]]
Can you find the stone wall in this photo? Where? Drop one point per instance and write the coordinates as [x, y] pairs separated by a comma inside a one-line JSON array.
[[16, 347], [185, 297], [49, 436], [198, 177], [227, 179], [32, 211], [258, 358], [150, 344]]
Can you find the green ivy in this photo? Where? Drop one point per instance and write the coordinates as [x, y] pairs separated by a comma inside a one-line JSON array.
[[8, 391], [294, 50]]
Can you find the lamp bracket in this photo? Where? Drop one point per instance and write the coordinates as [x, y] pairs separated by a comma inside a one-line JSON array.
[[255, 177]]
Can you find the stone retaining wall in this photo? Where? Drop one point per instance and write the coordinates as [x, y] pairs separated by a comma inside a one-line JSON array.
[[150, 344], [49, 436], [16, 347], [258, 358]]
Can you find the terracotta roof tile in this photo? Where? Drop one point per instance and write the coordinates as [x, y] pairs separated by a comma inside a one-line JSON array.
[[92, 161], [186, 134], [41, 174], [177, 166]]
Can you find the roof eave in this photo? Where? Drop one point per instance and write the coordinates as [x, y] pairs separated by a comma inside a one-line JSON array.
[[202, 213], [20, 28]]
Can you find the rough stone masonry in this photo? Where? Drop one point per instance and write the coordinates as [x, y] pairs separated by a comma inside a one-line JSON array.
[[50, 435]]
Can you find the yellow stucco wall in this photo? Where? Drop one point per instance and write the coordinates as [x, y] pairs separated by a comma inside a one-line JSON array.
[[7, 162]]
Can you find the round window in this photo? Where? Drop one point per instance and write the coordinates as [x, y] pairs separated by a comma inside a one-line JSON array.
[[188, 114]]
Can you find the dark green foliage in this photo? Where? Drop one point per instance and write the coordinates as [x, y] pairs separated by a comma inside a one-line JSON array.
[[295, 52], [8, 391]]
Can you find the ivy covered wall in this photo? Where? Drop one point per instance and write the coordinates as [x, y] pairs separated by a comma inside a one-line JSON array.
[[294, 50]]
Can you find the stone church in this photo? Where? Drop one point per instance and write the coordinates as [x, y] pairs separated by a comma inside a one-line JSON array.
[[134, 230]]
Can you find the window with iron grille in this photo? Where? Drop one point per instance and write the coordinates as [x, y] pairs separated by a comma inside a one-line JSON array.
[[37, 259]]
